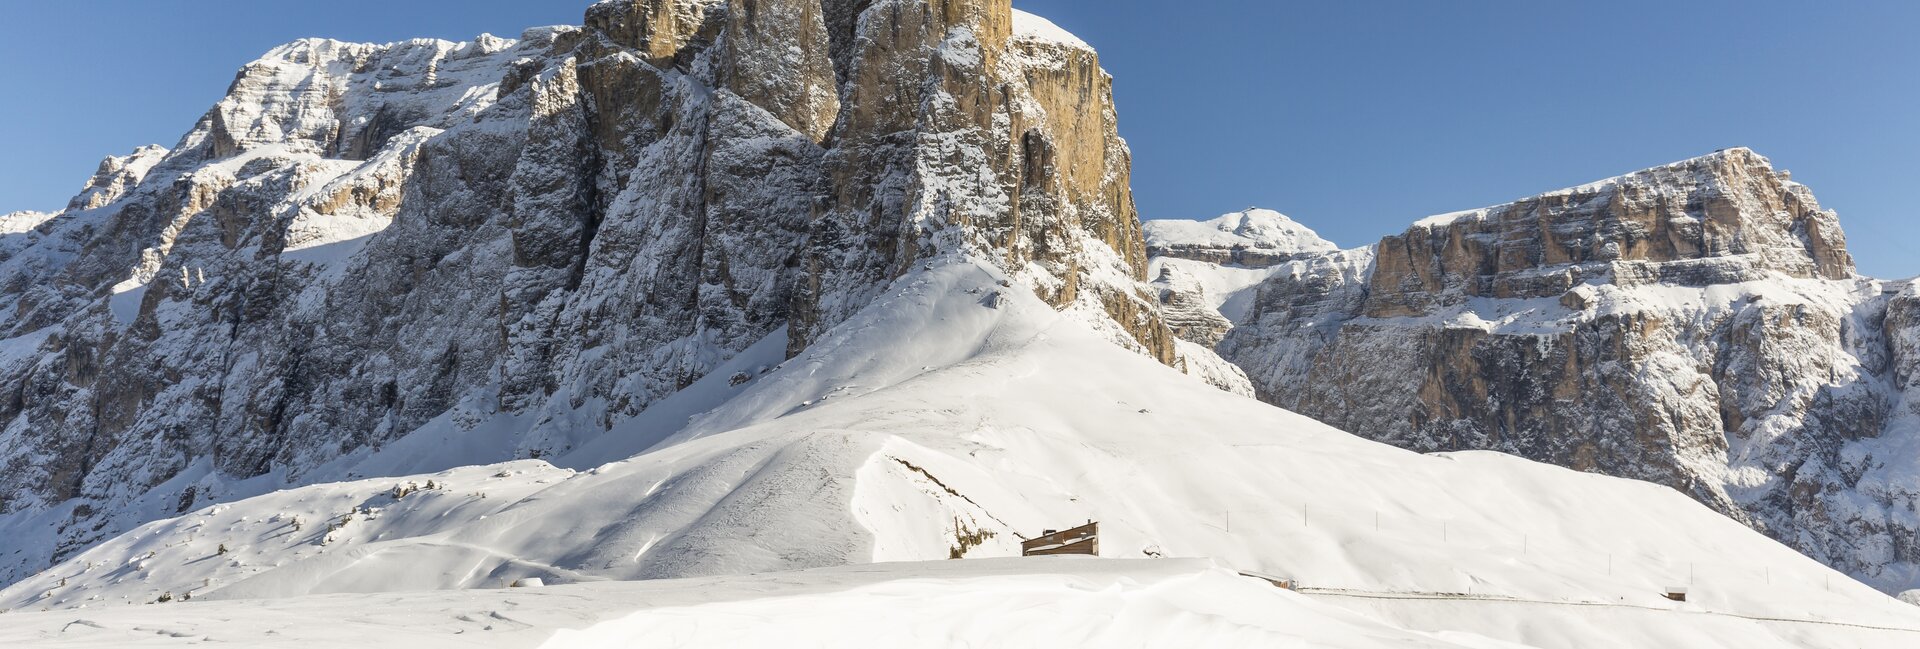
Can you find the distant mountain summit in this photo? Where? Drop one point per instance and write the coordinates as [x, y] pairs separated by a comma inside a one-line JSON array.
[[1254, 237]]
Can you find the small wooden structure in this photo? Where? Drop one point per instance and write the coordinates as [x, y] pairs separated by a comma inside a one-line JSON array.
[[1080, 540], [1677, 593]]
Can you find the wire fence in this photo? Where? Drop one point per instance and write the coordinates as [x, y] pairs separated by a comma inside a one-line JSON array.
[[1423, 596]]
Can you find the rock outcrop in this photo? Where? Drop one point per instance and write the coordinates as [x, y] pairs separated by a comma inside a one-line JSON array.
[[1721, 219], [1697, 325], [516, 245]]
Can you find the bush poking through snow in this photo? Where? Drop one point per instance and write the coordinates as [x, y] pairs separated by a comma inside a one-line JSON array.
[[967, 539]]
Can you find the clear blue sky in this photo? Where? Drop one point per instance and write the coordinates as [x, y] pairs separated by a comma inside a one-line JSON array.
[[1355, 116]]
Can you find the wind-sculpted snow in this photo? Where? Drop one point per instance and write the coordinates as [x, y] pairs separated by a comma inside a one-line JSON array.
[[516, 246], [1696, 325]]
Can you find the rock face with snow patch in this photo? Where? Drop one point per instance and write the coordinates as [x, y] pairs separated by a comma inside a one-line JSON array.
[[541, 236], [1199, 265], [1697, 325]]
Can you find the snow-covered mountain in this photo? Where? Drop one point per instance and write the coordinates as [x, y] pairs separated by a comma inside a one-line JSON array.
[[929, 426], [530, 242], [711, 291], [1698, 325], [1203, 269], [1255, 237]]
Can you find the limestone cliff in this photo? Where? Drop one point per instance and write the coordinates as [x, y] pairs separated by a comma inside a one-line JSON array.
[[1697, 325]]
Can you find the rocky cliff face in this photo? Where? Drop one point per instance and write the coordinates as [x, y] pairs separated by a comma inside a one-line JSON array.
[[1697, 325], [517, 244]]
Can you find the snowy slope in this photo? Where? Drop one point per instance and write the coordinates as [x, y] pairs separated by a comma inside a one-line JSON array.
[[999, 603], [1223, 289], [932, 416]]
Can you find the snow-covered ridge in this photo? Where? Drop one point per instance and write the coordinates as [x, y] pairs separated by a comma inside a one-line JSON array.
[[17, 222], [348, 98], [1254, 237], [1443, 220]]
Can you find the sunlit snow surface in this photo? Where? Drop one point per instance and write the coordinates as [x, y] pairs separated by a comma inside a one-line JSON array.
[[937, 413], [988, 603]]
